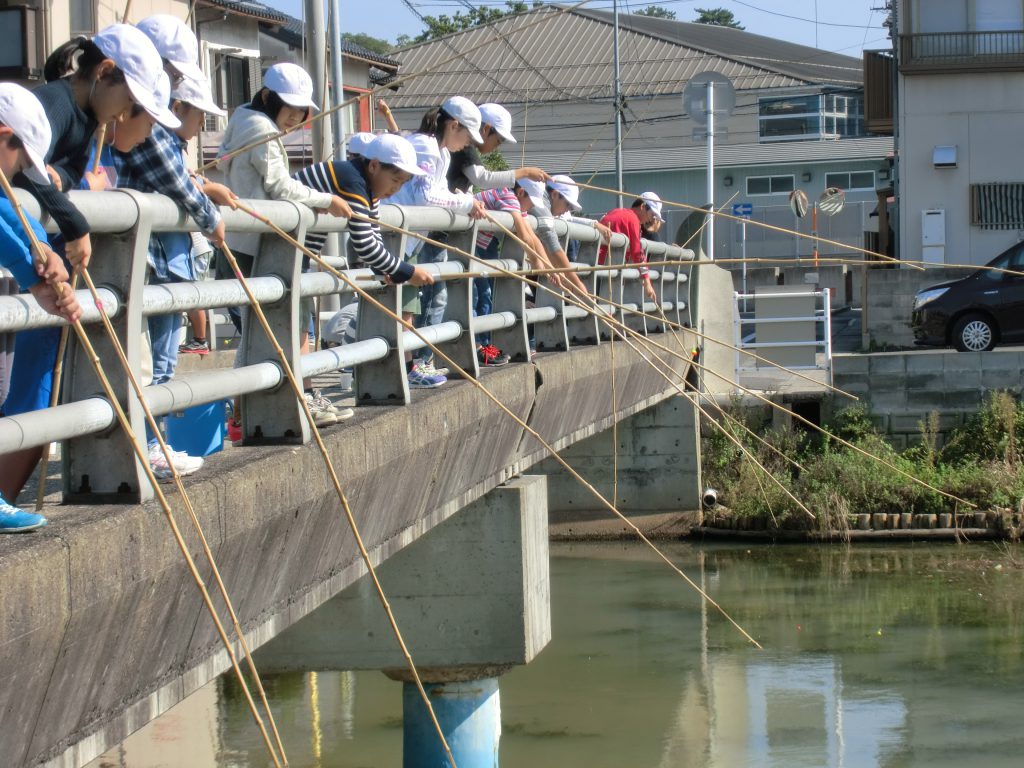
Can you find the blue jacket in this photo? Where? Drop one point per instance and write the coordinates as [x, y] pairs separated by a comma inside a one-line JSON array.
[[15, 248]]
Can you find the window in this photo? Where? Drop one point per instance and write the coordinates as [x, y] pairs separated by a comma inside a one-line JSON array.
[[83, 17], [998, 205], [813, 116], [850, 182], [770, 185], [356, 117]]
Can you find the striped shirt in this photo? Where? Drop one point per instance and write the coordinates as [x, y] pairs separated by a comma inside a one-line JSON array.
[[503, 199], [348, 180]]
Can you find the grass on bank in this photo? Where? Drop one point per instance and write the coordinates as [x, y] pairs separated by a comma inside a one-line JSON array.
[[981, 462]]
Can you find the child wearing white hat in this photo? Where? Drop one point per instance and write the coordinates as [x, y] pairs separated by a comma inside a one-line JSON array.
[[24, 140], [467, 169]]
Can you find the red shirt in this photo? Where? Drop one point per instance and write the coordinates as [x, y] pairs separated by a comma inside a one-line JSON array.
[[626, 222]]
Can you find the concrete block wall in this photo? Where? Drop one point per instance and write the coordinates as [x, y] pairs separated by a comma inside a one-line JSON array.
[[902, 388], [891, 300]]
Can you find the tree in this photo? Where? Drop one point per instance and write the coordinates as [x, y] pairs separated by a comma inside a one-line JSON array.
[[657, 12], [719, 17], [439, 26], [369, 42]]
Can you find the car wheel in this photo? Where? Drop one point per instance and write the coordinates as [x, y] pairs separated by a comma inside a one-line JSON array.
[[974, 333]]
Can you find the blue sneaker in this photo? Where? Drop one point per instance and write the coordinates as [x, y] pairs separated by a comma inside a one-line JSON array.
[[420, 379], [15, 520]]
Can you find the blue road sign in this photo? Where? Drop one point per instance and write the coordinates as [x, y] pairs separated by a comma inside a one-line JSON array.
[[742, 209]]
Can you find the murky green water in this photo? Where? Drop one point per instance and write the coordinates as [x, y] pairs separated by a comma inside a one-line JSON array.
[[896, 656]]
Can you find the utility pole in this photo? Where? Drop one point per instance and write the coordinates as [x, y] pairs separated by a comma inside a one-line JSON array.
[[337, 80], [617, 96], [710, 251], [316, 65]]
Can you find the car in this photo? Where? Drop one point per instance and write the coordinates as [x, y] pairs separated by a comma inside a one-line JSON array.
[[977, 312]]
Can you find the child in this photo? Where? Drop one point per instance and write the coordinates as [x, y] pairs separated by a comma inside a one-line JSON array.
[[630, 222], [262, 173], [157, 165], [25, 137], [89, 82], [467, 170]]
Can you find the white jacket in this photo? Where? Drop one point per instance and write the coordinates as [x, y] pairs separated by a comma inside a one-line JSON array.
[[431, 189], [260, 173]]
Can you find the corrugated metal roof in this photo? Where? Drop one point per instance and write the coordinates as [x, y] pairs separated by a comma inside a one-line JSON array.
[[569, 58], [726, 155]]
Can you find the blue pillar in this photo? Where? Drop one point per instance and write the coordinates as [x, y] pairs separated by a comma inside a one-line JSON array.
[[470, 716]]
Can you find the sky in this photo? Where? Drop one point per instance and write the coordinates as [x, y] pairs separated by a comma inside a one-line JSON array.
[[844, 26]]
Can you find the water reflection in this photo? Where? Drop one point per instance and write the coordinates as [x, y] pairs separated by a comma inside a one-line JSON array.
[[907, 656]]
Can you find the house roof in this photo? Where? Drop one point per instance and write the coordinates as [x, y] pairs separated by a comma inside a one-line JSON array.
[[568, 57], [251, 8]]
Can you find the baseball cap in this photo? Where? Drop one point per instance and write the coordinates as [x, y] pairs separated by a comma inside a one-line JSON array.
[[467, 113], [499, 119], [566, 187], [175, 42], [21, 111], [535, 191], [292, 84], [654, 203], [136, 56], [359, 142], [393, 150], [198, 94]]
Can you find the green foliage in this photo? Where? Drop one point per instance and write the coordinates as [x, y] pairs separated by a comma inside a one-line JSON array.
[[439, 26], [657, 12], [369, 42], [495, 161], [719, 17]]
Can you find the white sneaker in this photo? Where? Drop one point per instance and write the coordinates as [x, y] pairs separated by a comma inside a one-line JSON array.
[[430, 370], [184, 463], [321, 416]]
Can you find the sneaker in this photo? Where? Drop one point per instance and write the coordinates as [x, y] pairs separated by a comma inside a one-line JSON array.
[[16, 520], [418, 379], [195, 347], [343, 413], [321, 416], [320, 401], [234, 431], [491, 356], [184, 463], [429, 369]]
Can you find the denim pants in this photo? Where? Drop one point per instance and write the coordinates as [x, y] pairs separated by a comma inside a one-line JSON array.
[[433, 298], [483, 289]]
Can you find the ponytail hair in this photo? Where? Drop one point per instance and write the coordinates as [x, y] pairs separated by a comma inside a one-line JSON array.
[[79, 56], [434, 123]]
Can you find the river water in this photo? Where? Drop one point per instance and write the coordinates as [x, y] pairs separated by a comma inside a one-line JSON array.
[[873, 656]]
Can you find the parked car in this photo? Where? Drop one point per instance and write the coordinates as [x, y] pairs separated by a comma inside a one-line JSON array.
[[977, 312]]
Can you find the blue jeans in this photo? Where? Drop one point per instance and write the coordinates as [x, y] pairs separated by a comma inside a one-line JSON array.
[[483, 289], [433, 298]]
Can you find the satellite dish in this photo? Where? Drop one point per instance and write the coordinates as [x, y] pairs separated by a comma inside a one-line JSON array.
[[832, 201], [695, 96], [798, 202]]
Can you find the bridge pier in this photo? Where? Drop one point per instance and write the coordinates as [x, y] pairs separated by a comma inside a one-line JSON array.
[[472, 599]]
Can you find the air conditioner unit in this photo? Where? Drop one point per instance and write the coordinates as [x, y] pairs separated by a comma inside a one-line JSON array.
[[21, 35]]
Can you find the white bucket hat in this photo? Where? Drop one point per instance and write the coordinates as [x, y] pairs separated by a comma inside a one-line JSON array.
[[292, 84], [359, 142], [654, 203], [21, 111], [535, 191], [175, 42], [198, 94], [394, 150], [467, 113], [136, 56], [499, 119], [566, 187]]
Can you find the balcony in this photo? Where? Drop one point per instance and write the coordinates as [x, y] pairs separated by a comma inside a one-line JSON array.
[[952, 52]]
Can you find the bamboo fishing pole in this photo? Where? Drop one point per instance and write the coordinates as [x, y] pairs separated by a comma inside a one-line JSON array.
[[297, 390], [452, 365], [389, 86], [143, 460]]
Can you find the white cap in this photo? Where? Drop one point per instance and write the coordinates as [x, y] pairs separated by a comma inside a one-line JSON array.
[[359, 142], [499, 119], [21, 111], [393, 150], [292, 84], [175, 42], [198, 94], [566, 187], [535, 191], [162, 95], [136, 56], [467, 113], [654, 203]]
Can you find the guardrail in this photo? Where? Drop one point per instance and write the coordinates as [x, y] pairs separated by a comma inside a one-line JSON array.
[[98, 462], [935, 52]]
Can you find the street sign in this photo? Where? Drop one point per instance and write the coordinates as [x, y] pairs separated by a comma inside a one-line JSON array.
[[695, 96], [742, 209]]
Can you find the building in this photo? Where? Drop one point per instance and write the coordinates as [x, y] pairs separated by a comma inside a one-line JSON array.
[[798, 121], [961, 174]]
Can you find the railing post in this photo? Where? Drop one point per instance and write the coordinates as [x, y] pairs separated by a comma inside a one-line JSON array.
[[584, 330], [608, 284], [102, 467], [385, 381], [460, 305], [274, 417], [510, 296]]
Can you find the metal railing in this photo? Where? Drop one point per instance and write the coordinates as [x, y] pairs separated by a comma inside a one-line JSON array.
[[960, 51], [98, 463]]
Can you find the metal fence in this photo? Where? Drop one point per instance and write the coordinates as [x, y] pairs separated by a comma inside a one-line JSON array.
[[98, 462]]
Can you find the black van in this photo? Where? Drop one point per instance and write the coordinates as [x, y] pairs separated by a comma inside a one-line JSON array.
[[977, 312]]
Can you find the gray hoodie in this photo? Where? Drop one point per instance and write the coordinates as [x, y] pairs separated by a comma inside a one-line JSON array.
[[260, 173]]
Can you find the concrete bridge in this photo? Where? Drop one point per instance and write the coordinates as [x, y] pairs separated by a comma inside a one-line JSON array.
[[102, 629]]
